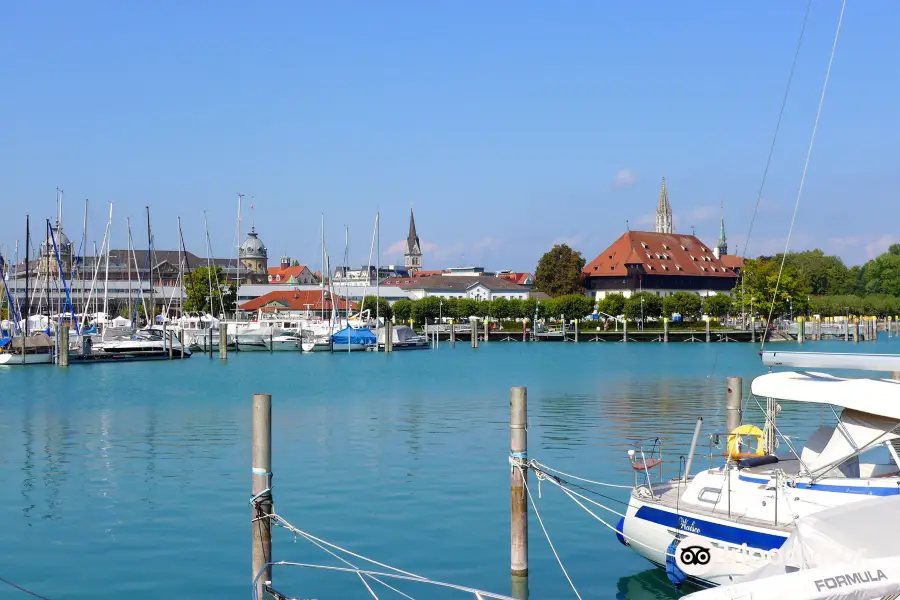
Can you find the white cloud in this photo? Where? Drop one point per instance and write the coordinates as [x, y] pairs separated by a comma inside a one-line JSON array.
[[703, 213], [624, 178], [644, 220], [880, 245]]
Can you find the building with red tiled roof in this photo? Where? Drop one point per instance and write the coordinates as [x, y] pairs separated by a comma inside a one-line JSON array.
[[518, 278], [660, 263], [287, 275], [298, 301]]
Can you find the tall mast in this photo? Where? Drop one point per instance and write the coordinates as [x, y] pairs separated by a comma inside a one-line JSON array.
[[83, 252], [377, 267], [181, 267], [47, 270], [27, 273], [128, 261], [238, 239], [322, 282], [106, 276], [150, 318]]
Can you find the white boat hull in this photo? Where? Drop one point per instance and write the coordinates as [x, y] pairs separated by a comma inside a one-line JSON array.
[[338, 347], [30, 359]]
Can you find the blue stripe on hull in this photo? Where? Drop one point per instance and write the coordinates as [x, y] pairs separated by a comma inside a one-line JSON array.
[[716, 531], [842, 489]]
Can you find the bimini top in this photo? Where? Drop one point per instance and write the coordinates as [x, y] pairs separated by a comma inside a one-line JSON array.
[[874, 396]]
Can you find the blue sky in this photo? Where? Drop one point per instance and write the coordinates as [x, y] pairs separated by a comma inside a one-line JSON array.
[[508, 126]]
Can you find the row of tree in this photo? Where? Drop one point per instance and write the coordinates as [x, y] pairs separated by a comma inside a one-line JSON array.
[[574, 306]]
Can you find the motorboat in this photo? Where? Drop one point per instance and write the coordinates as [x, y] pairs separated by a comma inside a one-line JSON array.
[[143, 344], [285, 342], [748, 506], [848, 552], [403, 337], [36, 349]]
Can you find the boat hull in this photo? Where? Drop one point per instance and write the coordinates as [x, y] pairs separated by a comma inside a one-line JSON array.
[[649, 528], [338, 347], [9, 359]]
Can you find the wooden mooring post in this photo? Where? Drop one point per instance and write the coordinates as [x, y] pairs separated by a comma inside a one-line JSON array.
[[388, 336], [223, 341], [666, 329], [708, 338], [62, 356], [261, 490], [576, 331], [474, 327], [209, 337], [801, 330], [487, 330], [855, 331], [452, 334], [752, 330], [518, 459], [181, 341], [625, 330], [734, 392]]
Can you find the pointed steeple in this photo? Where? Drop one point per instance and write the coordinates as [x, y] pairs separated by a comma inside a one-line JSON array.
[[663, 211], [412, 258], [722, 246]]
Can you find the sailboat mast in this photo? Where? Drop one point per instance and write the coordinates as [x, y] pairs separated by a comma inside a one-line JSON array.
[[106, 276], [181, 267], [83, 252], [238, 261], [377, 266], [27, 272], [150, 317], [47, 270]]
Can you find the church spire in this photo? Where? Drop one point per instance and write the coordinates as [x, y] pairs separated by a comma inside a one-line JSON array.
[[663, 211], [722, 246], [412, 258]]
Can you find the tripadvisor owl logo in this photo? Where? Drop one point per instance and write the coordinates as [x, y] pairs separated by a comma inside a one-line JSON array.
[[695, 555]]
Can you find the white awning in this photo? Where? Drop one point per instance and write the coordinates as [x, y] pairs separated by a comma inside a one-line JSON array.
[[874, 396]]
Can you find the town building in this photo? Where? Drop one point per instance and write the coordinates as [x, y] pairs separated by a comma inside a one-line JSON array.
[[662, 262], [286, 274], [459, 286], [254, 257], [297, 303]]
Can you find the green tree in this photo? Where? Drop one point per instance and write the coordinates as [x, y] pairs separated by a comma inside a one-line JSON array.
[[650, 308], [818, 273], [686, 304], [516, 309], [296, 263], [575, 306], [384, 307], [427, 308], [718, 305], [559, 272], [402, 310], [612, 304], [467, 307], [500, 308], [204, 290], [882, 275], [529, 306], [760, 279]]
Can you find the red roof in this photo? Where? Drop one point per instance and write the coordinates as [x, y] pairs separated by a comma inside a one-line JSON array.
[[286, 273], [295, 300], [733, 262], [658, 254], [427, 273], [520, 278]]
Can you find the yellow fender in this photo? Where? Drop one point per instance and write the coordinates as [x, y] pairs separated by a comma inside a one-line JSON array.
[[735, 440]]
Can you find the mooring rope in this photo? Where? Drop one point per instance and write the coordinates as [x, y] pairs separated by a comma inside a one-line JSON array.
[[395, 573], [546, 534], [543, 467]]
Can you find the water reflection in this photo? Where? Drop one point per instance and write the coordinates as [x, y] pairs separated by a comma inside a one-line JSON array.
[[56, 436], [28, 463], [651, 584]]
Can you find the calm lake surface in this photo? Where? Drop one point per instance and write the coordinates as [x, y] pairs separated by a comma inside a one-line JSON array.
[[133, 480]]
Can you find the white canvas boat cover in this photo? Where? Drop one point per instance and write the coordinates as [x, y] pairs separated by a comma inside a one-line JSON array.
[[842, 553], [874, 396], [400, 334], [855, 432], [121, 322]]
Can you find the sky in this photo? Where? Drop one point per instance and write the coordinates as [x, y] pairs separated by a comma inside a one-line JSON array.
[[508, 127]]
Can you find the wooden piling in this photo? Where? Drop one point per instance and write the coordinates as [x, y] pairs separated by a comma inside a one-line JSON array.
[[388, 336], [856, 331], [666, 329], [209, 337], [524, 330], [518, 457], [624, 330], [181, 341], [708, 338], [734, 392], [261, 490], [801, 330], [474, 327], [576, 331], [487, 336], [62, 358], [223, 341], [452, 334], [752, 330]]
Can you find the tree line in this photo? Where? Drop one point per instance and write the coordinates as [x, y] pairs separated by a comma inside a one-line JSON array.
[[572, 306]]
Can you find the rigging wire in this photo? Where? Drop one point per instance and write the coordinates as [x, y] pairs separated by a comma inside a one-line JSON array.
[[21, 589], [809, 150]]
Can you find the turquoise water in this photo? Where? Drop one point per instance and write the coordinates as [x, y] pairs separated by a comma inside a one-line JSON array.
[[133, 479]]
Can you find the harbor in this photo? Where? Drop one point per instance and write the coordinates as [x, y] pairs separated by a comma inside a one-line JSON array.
[[123, 493]]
